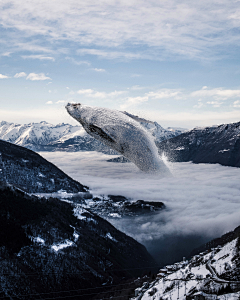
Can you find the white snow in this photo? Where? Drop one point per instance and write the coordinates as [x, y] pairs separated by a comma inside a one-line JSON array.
[[36, 133], [110, 237], [39, 240], [224, 150], [78, 211], [188, 278], [180, 148], [76, 236], [224, 257], [114, 215], [231, 296], [60, 246]]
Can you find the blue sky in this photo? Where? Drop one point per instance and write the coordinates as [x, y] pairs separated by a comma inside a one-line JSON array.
[[176, 62]]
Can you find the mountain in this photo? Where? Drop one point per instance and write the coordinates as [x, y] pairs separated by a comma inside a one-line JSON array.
[[64, 137], [212, 274], [52, 249], [32, 173], [216, 144]]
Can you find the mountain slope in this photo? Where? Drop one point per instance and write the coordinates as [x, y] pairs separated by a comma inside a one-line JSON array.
[[217, 144], [54, 249], [212, 274], [64, 137], [32, 173]]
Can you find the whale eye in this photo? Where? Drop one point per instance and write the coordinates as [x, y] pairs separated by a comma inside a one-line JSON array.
[[100, 132]]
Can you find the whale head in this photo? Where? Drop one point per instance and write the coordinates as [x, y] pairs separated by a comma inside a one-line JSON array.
[[73, 109]]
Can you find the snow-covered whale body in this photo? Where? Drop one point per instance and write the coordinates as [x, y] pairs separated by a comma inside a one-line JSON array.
[[120, 132]]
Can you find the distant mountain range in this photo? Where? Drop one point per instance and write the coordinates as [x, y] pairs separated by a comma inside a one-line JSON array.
[[44, 136], [216, 144]]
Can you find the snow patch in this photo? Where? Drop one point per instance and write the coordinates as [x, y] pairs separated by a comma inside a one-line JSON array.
[[110, 237], [38, 240], [224, 150], [60, 246]]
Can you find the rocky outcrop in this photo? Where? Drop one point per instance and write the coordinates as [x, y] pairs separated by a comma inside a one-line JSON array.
[[113, 206]]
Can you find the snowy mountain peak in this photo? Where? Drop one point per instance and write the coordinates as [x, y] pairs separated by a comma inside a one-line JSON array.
[[65, 137]]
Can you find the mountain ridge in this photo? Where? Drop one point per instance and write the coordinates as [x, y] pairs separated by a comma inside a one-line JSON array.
[[32, 173], [216, 144], [44, 136]]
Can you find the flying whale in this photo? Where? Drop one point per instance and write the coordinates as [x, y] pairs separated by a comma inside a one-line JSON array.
[[121, 132]]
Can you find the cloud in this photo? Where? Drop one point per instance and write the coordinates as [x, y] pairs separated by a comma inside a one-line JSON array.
[[78, 62], [162, 28], [217, 93], [201, 199], [236, 103], [40, 76], [99, 70], [136, 75], [160, 94], [215, 103], [133, 101], [96, 94], [49, 102], [40, 57], [137, 88], [61, 101], [85, 91], [21, 74], [199, 105], [164, 94], [192, 118], [110, 54], [6, 54], [51, 113], [3, 76]]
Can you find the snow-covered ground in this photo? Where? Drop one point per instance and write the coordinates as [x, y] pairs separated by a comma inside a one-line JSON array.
[[201, 199], [193, 277]]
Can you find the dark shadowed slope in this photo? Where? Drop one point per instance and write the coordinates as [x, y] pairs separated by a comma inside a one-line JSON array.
[[31, 172], [51, 249], [217, 144]]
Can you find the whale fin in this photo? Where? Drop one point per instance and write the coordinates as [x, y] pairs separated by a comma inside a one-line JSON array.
[[95, 129], [136, 118]]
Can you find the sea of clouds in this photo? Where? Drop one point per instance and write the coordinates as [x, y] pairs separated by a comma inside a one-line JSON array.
[[202, 200]]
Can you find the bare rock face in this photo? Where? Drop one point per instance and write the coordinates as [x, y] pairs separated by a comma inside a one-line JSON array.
[[121, 133]]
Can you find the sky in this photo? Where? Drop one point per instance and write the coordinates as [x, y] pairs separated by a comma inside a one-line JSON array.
[[174, 62], [202, 200]]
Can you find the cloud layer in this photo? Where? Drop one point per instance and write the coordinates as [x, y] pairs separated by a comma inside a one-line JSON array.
[[194, 30], [201, 199]]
